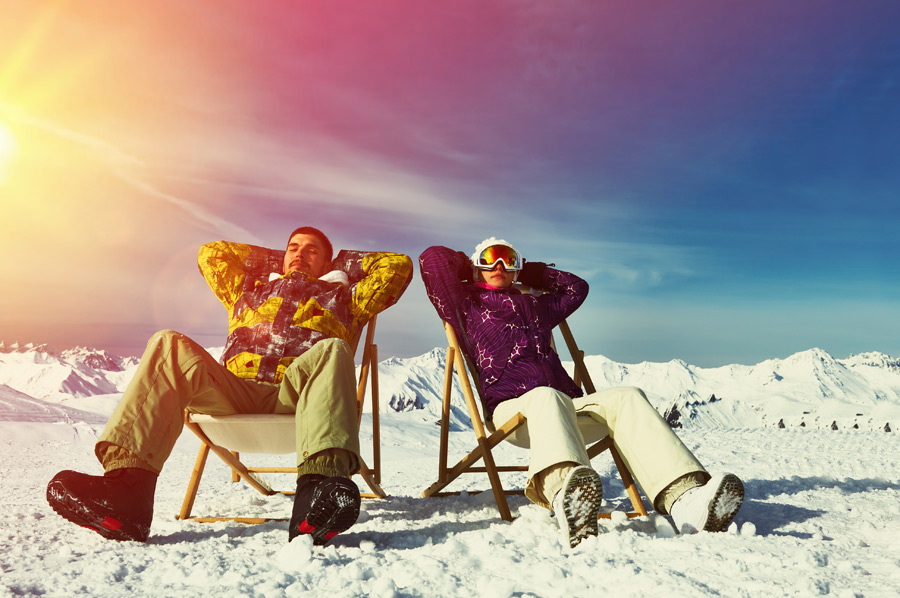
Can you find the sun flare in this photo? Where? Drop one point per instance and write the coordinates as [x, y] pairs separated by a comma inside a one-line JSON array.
[[8, 149]]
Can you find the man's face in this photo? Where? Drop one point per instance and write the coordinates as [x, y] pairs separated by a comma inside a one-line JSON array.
[[497, 276], [305, 253]]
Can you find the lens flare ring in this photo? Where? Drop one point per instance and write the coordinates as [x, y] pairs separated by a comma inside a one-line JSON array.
[[8, 150]]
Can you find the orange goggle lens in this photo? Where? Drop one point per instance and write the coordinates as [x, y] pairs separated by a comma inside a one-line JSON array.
[[489, 257]]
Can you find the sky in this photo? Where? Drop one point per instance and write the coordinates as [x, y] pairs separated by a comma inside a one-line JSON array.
[[725, 176]]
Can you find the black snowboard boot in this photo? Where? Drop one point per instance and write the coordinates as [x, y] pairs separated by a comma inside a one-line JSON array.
[[323, 507], [117, 505]]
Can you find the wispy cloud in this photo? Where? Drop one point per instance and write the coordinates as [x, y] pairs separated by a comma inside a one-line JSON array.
[[128, 169], [311, 166]]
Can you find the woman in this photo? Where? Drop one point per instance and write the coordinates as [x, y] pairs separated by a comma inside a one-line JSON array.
[[507, 334]]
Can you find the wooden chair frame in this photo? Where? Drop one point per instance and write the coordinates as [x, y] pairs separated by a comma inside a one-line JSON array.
[[457, 360], [371, 475]]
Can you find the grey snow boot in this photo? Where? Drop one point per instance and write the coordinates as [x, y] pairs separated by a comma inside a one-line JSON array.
[[577, 505]]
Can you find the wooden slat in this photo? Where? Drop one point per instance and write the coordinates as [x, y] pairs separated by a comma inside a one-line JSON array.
[[194, 482], [376, 420]]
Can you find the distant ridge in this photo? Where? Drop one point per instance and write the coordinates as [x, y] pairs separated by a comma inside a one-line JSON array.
[[44, 373], [810, 389]]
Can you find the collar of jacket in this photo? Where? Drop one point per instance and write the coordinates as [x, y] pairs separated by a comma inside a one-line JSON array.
[[491, 288]]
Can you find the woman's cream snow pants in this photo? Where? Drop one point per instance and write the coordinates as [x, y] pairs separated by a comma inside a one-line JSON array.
[[557, 428]]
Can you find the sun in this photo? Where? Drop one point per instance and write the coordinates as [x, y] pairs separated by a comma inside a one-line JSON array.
[[8, 150]]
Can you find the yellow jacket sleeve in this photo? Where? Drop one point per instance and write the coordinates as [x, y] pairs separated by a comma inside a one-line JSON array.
[[387, 276], [232, 269]]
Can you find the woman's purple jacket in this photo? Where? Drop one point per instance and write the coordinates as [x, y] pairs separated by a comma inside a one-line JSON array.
[[506, 333]]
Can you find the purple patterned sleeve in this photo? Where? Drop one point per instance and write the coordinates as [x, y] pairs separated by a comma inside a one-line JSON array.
[[439, 267], [565, 293]]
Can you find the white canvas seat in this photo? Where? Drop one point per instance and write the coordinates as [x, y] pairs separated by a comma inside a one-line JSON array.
[[240, 433]]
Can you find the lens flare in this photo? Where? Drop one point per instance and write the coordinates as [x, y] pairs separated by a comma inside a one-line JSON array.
[[8, 149]]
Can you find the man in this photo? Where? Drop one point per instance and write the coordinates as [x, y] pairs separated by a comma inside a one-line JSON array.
[[291, 318]]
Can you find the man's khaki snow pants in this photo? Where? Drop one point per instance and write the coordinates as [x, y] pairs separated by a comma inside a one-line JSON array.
[[558, 428], [175, 374]]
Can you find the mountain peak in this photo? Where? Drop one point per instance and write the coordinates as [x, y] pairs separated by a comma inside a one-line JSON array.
[[874, 359], [17, 347], [98, 359], [90, 356], [814, 354]]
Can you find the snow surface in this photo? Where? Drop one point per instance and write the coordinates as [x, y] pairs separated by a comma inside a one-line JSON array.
[[821, 517]]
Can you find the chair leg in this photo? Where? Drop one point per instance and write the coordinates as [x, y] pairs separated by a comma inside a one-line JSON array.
[[369, 369], [376, 421], [369, 477], [446, 475], [232, 462], [234, 476], [496, 484], [637, 503], [445, 416], [630, 486], [194, 483], [240, 469]]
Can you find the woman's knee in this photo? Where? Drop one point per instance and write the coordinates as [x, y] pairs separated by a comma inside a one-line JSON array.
[[546, 398], [635, 397], [634, 393]]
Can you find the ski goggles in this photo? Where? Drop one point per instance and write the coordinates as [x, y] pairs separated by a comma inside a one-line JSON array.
[[489, 256]]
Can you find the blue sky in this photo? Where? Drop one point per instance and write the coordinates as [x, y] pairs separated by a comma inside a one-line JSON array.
[[725, 176]]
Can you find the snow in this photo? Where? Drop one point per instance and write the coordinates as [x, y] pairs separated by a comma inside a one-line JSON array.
[[821, 517]]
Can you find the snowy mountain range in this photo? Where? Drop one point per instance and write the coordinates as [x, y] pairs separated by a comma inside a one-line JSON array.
[[808, 389], [43, 373]]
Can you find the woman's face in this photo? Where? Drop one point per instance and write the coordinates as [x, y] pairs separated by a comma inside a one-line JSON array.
[[497, 276]]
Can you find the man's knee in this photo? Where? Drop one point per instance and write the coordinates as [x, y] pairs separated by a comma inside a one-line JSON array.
[[335, 352], [330, 355], [333, 346], [171, 347], [167, 338]]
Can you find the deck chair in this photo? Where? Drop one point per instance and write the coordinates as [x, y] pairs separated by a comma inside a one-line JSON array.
[[230, 435], [458, 360]]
